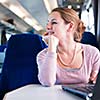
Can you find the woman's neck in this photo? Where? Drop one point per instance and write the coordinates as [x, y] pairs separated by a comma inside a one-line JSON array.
[[66, 47]]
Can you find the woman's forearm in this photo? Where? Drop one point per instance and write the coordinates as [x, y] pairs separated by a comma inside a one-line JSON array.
[[47, 69]]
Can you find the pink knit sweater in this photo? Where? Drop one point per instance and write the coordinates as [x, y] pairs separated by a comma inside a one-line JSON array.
[[51, 73]]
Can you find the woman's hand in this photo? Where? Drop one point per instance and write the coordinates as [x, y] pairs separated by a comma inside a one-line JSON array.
[[52, 43], [51, 40], [93, 77]]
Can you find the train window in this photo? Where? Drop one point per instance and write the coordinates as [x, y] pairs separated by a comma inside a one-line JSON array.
[[87, 16]]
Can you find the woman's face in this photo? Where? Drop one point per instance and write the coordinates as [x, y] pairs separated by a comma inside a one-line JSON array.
[[56, 25]]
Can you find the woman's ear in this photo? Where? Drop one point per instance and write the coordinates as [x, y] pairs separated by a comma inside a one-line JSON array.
[[70, 27]]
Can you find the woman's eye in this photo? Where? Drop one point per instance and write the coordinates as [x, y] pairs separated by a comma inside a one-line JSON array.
[[54, 23]]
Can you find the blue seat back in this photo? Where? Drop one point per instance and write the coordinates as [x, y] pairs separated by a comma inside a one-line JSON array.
[[20, 67], [2, 48], [89, 38]]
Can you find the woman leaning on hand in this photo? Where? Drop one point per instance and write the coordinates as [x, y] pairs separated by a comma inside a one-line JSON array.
[[66, 60]]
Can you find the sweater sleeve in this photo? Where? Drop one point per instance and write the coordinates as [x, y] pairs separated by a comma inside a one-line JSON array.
[[96, 60], [47, 67]]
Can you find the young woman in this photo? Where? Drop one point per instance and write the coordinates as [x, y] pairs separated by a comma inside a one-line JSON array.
[[66, 60]]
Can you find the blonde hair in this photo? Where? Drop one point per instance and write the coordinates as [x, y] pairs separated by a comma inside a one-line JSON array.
[[69, 15]]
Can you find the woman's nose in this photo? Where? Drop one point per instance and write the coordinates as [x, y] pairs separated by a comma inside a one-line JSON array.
[[48, 26]]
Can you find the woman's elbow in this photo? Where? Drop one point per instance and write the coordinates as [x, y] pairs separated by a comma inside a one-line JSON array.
[[47, 83]]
